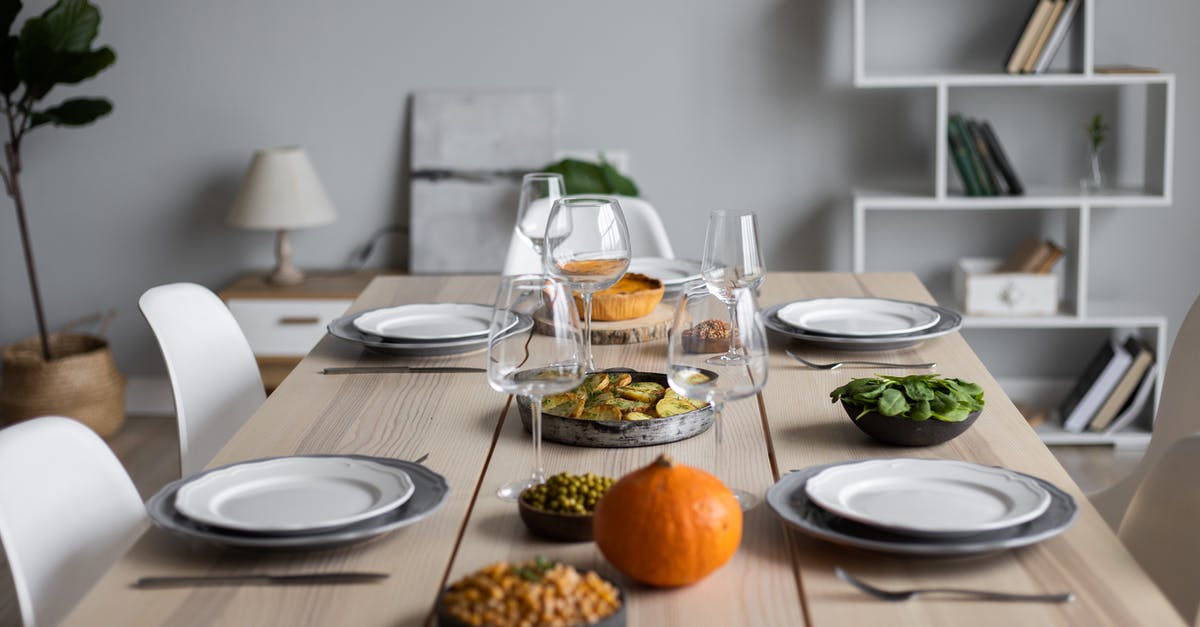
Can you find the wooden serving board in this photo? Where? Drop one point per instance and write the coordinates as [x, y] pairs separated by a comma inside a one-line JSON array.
[[653, 326]]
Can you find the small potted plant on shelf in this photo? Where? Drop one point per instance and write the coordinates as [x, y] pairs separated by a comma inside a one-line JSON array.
[[1097, 132], [64, 373]]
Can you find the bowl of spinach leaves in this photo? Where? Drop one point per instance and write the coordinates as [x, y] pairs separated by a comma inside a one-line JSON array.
[[917, 410]]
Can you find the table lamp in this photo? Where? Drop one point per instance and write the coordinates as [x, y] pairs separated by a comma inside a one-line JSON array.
[[281, 191]]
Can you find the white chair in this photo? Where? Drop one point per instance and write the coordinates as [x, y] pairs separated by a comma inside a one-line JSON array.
[[68, 510], [214, 376], [1159, 528], [647, 237], [1176, 418]]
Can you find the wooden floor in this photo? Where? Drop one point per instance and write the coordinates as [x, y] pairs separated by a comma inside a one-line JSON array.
[[148, 447]]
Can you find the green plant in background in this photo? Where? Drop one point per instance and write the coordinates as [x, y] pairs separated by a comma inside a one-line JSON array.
[[917, 397], [51, 49], [1097, 132], [586, 177]]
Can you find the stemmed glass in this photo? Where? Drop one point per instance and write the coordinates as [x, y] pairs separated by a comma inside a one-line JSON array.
[[519, 362], [539, 190], [701, 329], [587, 246], [732, 261]]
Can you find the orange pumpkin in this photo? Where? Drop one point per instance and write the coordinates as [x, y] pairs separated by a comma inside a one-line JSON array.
[[668, 524]]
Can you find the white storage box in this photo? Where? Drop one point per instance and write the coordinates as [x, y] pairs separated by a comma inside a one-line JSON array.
[[984, 292]]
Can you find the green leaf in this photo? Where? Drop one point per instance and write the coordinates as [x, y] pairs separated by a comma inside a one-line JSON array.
[[616, 182], [9, 78], [920, 411], [72, 25], [579, 177], [892, 403], [9, 9], [917, 390], [74, 112]]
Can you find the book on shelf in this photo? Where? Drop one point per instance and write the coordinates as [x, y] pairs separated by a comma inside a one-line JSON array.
[[1043, 37], [960, 151], [1134, 407], [1094, 386], [1057, 36], [997, 151], [1143, 358], [959, 124], [990, 171], [1033, 28]]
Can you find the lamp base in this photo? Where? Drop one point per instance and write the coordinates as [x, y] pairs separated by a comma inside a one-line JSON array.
[[289, 275], [285, 273]]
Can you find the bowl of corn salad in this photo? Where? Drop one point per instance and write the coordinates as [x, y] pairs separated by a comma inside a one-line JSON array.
[[536, 593]]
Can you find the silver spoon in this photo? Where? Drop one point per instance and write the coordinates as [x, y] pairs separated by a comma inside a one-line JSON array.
[[904, 595], [838, 364]]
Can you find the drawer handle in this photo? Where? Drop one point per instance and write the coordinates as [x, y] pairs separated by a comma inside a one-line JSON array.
[[299, 320]]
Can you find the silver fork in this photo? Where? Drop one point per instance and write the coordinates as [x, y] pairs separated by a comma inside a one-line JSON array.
[[987, 595], [838, 364]]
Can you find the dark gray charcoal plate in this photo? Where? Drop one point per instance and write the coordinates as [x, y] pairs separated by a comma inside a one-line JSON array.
[[620, 433]]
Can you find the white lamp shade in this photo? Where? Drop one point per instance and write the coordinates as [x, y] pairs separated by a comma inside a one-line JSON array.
[[281, 191]]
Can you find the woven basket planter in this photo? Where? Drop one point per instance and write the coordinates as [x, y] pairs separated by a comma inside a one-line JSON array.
[[81, 382]]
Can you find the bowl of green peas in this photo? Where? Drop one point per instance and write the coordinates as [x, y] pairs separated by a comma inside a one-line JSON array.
[[561, 508]]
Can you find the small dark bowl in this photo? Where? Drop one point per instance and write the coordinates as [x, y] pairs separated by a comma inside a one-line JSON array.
[[556, 525], [616, 619], [907, 432]]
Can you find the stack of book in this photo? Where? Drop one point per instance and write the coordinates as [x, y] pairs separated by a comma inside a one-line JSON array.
[[1113, 389], [1044, 32], [981, 162], [1035, 255]]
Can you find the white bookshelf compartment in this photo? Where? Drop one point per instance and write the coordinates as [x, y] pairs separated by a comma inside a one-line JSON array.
[[897, 46]]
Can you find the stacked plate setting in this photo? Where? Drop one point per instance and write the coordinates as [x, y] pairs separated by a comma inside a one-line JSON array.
[[312, 501], [422, 329], [921, 506], [861, 323]]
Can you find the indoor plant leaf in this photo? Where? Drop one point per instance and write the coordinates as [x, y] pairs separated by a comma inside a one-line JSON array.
[[616, 182], [72, 25], [9, 79], [74, 112]]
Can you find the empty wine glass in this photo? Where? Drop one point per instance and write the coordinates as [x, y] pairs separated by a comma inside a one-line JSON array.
[[732, 261], [539, 190], [700, 329], [533, 365], [587, 246]]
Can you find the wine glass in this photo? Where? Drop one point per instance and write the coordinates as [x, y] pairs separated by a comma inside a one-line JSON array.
[[520, 362], [587, 246], [539, 190], [702, 328], [732, 261]]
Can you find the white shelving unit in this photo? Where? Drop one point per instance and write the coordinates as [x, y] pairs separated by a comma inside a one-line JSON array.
[[1077, 208]]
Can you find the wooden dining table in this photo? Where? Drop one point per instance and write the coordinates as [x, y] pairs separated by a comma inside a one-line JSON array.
[[473, 436]]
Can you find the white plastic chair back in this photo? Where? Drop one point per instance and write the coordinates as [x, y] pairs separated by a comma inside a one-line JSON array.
[[214, 375], [1176, 418], [647, 237], [1160, 527], [68, 510]]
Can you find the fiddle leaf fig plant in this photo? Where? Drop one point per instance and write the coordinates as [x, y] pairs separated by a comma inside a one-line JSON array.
[[51, 49]]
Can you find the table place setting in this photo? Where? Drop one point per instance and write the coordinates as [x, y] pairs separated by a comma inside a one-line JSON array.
[[299, 502], [927, 507], [860, 323], [422, 329]]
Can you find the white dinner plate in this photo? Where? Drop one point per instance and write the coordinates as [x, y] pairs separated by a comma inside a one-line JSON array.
[[293, 494], [672, 272], [790, 502], [433, 321], [858, 317], [429, 495], [933, 497]]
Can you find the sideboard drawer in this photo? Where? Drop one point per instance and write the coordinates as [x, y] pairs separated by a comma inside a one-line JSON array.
[[285, 327]]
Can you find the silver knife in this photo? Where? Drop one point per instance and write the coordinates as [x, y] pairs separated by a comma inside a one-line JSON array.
[[258, 580], [391, 369]]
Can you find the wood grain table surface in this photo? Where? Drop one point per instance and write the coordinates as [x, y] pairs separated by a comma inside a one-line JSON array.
[[474, 438]]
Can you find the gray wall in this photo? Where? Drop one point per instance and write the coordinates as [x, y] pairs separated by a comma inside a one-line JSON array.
[[741, 104]]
